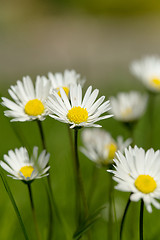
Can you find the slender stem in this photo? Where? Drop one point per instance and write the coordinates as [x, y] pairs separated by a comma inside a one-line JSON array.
[[79, 177], [110, 218], [33, 211], [131, 126], [141, 220], [92, 183], [50, 227], [124, 216], [51, 199], [42, 134], [151, 106], [115, 215], [14, 205]]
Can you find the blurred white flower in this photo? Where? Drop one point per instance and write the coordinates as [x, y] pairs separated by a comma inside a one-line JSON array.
[[59, 80], [75, 111], [100, 147], [138, 172], [28, 101], [22, 167], [128, 107], [147, 70]]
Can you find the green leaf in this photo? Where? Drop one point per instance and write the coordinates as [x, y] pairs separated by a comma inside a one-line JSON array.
[[87, 223]]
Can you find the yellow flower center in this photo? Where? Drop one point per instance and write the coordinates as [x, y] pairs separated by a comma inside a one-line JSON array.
[[127, 112], [34, 107], [145, 184], [66, 89], [27, 171], [112, 148], [155, 82], [77, 115]]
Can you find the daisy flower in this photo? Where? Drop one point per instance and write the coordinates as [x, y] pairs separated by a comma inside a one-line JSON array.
[[100, 147], [78, 112], [28, 101], [22, 167], [138, 172], [65, 80], [147, 70], [128, 107]]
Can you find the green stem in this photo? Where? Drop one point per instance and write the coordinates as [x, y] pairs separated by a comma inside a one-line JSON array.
[[115, 215], [124, 216], [50, 227], [151, 116], [33, 211], [79, 183], [131, 127], [141, 220], [14, 205], [110, 218], [51, 199], [79, 177], [93, 183], [42, 134]]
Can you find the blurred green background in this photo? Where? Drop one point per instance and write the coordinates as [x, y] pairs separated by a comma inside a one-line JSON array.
[[98, 39]]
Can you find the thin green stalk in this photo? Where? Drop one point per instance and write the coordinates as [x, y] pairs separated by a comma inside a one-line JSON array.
[[115, 215], [14, 205], [79, 177], [124, 216], [92, 183], [110, 217], [151, 106], [51, 199], [131, 127], [79, 183], [33, 211], [50, 225], [141, 220], [42, 134]]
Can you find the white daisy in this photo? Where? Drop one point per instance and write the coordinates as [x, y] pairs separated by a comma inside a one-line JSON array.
[[65, 80], [77, 112], [100, 147], [148, 71], [22, 167], [28, 102], [138, 172], [127, 107]]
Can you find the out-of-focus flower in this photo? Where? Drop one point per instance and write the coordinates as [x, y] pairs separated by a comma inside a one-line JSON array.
[[138, 172], [75, 111], [59, 80], [100, 147], [28, 101], [128, 107], [147, 70], [22, 167]]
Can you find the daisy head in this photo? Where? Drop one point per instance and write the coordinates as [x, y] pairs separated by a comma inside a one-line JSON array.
[[147, 70], [78, 111], [128, 107], [138, 172], [59, 80], [28, 101], [100, 147], [22, 167]]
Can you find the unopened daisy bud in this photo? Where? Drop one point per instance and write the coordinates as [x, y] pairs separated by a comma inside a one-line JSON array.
[[137, 171], [22, 167], [28, 101], [147, 70], [100, 147], [128, 107], [77, 111]]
